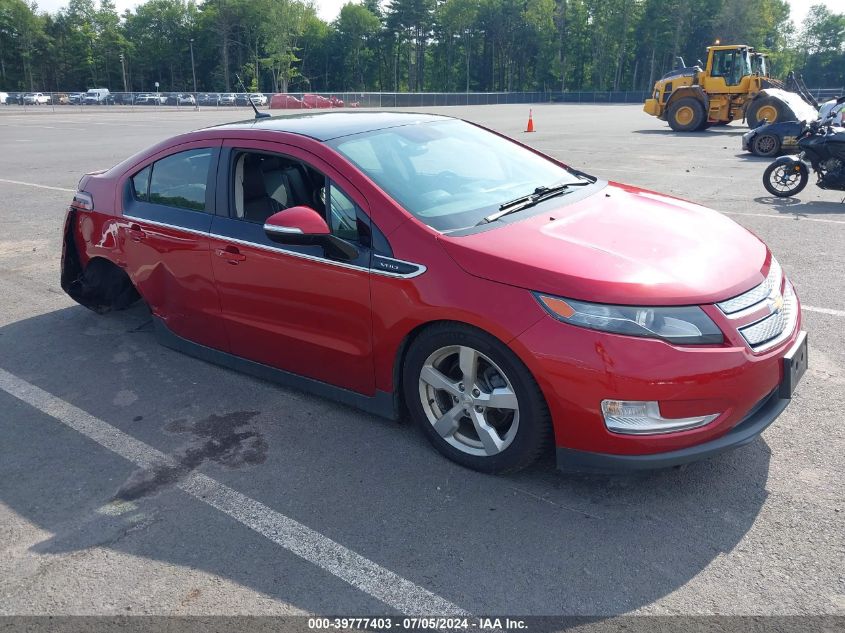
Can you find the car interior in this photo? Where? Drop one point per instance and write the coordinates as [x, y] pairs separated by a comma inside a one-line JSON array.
[[266, 184]]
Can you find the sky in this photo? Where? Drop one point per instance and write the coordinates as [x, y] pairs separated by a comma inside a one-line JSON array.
[[328, 9]]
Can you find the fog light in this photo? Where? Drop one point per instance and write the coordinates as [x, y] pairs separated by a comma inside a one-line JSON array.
[[632, 417]]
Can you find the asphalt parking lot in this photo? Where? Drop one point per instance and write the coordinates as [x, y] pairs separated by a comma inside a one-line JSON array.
[[293, 504]]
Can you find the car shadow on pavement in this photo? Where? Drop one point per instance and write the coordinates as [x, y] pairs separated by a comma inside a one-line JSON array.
[[537, 542], [795, 206], [722, 131], [752, 158]]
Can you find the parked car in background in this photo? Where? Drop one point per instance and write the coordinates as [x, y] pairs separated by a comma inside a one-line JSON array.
[[148, 98], [121, 98], [316, 101], [228, 99], [185, 99], [209, 99], [36, 98], [4, 96], [76, 98], [258, 98], [781, 137], [96, 96], [287, 102], [319, 101], [61, 98]]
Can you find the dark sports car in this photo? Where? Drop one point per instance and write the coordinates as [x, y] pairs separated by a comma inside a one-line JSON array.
[[772, 139]]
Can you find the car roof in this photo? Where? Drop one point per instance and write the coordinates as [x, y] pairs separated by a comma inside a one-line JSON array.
[[324, 126]]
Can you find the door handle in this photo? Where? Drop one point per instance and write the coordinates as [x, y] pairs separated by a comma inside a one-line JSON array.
[[231, 254], [135, 232]]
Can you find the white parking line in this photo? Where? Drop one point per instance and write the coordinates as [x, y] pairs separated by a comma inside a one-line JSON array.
[[831, 311], [32, 184], [360, 572], [47, 127]]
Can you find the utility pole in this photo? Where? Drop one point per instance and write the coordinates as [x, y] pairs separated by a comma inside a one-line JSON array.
[[123, 72], [194, 73], [467, 33]]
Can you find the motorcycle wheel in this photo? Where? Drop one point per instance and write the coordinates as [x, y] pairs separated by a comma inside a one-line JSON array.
[[785, 180]]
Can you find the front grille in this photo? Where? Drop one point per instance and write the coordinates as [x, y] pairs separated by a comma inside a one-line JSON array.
[[775, 328], [756, 295]]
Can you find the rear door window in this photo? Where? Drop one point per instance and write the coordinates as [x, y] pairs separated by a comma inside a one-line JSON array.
[[179, 180], [141, 184]]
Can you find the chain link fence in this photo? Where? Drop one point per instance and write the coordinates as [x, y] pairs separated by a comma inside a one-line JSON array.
[[299, 100]]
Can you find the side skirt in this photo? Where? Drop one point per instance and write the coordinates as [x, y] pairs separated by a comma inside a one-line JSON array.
[[382, 403]]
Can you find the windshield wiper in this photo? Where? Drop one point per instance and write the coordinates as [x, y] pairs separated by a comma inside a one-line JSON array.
[[539, 194]]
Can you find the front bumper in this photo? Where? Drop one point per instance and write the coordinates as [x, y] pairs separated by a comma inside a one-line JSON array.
[[577, 368], [766, 412], [746, 140], [652, 107]]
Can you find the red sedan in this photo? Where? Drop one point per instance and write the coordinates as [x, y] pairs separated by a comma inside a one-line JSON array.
[[407, 262]]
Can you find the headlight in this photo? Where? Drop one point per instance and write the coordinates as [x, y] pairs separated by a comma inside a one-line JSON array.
[[684, 325]]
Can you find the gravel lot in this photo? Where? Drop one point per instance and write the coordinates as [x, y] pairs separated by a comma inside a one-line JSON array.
[[82, 531]]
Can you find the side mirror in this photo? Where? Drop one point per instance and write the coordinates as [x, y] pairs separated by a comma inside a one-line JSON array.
[[295, 221], [304, 226]]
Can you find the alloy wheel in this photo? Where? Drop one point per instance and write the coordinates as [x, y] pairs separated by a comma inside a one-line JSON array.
[[766, 145], [469, 401]]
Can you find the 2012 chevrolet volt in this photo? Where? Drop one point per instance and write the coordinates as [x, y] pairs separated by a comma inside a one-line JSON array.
[[407, 262]]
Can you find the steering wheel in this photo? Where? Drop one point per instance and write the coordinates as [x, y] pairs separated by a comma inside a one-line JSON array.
[[451, 179]]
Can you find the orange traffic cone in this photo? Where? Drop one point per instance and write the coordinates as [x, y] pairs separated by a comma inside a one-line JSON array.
[[530, 127]]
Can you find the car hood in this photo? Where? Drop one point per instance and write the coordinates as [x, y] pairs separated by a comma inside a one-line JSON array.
[[620, 245]]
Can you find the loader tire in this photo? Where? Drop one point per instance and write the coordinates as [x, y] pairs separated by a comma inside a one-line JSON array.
[[686, 115], [768, 110]]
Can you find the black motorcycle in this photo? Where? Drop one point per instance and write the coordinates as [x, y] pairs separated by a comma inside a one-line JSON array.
[[822, 149]]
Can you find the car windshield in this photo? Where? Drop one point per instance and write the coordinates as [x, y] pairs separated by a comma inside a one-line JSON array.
[[449, 174]]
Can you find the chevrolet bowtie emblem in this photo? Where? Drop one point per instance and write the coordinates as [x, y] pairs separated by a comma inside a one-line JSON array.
[[776, 301]]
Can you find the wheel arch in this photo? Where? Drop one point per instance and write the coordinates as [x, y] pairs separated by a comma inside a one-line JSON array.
[[100, 284], [527, 445], [405, 344], [696, 92]]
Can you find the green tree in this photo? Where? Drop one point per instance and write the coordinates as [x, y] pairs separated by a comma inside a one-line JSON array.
[[823, 42], [356, 26]]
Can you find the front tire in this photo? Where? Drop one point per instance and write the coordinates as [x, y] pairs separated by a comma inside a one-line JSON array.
[[686, 115], [785, 179], [476, 402]]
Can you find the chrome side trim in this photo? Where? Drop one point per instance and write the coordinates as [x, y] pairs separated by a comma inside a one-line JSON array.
[[272, 249], [164, 225], [419, 269]]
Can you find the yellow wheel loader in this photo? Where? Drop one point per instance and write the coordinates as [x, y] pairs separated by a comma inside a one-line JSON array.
[[734, 84]]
